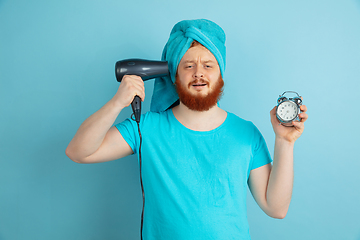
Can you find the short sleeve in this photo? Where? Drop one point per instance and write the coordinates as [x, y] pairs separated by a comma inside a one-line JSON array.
[[128, 130], [261, 155]]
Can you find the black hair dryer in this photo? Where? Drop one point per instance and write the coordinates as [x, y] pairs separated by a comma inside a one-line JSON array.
[[146, 69]]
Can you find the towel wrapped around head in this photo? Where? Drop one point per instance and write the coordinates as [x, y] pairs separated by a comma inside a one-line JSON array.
[[206, 32]]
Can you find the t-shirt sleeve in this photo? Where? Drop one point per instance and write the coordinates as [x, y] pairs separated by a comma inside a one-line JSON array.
[[261, 155], [129, 131]]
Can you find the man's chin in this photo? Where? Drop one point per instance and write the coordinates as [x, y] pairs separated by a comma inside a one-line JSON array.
[[198, 94]]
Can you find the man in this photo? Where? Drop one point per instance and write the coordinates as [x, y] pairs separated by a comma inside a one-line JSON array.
[[197, 159]]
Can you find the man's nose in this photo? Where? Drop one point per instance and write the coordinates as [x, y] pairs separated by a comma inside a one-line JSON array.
[[198, 73]]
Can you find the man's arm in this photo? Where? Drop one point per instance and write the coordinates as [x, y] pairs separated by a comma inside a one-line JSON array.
[[96, 141], [272, 186]]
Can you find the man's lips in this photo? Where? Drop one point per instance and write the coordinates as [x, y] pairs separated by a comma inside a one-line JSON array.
[[198, 83]]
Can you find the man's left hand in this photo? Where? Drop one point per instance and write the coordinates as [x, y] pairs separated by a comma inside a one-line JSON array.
[[290, 134]]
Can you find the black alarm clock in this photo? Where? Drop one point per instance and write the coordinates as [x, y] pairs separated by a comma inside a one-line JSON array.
[[288, 109]]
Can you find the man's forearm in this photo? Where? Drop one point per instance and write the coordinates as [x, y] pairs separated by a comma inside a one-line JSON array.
[[281, 178], [92, 131]]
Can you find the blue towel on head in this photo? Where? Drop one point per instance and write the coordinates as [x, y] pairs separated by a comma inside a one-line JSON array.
[[206, 32]]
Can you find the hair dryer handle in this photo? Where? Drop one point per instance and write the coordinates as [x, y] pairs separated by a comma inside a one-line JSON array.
[[136, 107]]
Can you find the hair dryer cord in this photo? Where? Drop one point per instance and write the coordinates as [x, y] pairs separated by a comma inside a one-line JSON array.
[[141, 182]]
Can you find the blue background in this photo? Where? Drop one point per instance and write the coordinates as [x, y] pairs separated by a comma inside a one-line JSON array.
[[57, 68]]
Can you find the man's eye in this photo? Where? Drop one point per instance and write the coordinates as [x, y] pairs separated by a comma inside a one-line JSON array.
[[188, 66], [207, 66]]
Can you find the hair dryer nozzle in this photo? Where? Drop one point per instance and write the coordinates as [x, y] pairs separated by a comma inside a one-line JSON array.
[[146, 69]]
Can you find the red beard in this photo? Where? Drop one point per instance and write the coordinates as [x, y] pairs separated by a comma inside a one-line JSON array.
[[199, 103]]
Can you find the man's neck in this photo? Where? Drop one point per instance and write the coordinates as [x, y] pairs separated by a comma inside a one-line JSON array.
[[199, 121]]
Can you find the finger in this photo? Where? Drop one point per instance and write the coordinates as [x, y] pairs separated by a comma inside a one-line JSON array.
[[139, 91], [133, 79], [273, 118], [273, 111], [303, 108], [137, 79], [298, 125], [303, 117]]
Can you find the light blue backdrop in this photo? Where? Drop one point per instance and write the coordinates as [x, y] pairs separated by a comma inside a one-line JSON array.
[[57, 68]]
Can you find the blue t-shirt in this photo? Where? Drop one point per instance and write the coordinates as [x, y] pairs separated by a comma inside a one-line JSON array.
[[195, 182]]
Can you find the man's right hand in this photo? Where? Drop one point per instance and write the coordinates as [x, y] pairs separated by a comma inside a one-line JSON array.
[[130, 86]]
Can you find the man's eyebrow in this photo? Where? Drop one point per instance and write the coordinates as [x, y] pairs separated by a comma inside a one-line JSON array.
[[192, 61], [188, 61]]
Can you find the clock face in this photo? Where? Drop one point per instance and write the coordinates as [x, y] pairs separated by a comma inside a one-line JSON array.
[[287, 111]]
